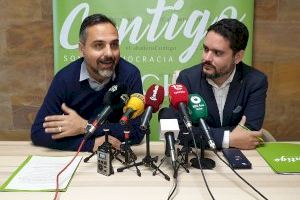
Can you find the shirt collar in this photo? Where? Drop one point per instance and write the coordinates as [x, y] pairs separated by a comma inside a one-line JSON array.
[[83, 72]]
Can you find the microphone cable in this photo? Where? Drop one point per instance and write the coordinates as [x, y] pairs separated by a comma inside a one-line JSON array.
[[199, 162], [89, 157], [174, 186], [251, 186], [57, 176]]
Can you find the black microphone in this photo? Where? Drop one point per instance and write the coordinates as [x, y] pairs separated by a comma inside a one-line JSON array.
[[169, 128], [115, 98], [170, 147], [206, 131]]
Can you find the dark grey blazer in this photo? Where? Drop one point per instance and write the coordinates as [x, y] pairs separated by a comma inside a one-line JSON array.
[[246, 96]]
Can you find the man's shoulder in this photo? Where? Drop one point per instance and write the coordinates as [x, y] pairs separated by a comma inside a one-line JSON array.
[[193, 68], [251, 73], [125, 66], [192, 71], [71, 71]]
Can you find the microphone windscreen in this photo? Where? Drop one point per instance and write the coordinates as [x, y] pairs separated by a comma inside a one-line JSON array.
[[136, 102], [114, 93], [178, 94], [154, 97], [197, 108], [168, 122]]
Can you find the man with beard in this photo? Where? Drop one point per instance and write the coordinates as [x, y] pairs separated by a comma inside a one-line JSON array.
[[76, 92], [234, 92]]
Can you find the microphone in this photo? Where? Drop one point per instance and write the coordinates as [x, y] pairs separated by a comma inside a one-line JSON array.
[[169, 129], [198, 111], [178, 96], [114, 98], [153, 99], [133, 108]]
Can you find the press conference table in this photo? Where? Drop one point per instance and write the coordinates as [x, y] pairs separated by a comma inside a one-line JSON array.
[[88, 184]]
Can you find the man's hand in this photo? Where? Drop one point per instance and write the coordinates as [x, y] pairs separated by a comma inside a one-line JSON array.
[[100, 140], [66, 125], [242, 138]]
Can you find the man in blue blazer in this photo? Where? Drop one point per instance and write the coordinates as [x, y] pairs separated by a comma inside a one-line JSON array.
[[234, 92]]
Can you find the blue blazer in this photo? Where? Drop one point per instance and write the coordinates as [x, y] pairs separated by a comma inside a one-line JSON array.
[[246, 96]]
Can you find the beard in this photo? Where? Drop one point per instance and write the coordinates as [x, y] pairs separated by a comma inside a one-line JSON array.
[[216, 74], [106, 73]]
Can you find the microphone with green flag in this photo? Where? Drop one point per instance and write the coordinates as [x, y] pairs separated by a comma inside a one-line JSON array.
[[198, 112]]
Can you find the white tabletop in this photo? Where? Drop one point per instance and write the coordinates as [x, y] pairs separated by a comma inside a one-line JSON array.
[[87, 183]]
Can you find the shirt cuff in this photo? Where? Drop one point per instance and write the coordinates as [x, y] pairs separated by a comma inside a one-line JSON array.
[[225, 143]]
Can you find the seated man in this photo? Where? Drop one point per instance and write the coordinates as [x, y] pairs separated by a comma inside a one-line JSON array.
[[234, 92], [76, 92]]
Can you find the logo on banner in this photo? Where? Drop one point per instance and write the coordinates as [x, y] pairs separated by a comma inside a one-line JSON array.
[[192, 28]]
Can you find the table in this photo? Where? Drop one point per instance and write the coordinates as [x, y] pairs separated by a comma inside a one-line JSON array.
[[88, 184]]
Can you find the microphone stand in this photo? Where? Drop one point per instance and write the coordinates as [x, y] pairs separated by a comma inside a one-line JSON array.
[[128, 153], [177, 165], [149, 161], [184, 153], [206, 163], [185, 150]]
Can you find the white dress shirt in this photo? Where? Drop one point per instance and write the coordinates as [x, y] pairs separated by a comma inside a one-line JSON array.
[[220, 94]]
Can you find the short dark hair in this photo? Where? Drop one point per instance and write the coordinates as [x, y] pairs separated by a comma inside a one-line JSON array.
[[93, 20], [233, 30]]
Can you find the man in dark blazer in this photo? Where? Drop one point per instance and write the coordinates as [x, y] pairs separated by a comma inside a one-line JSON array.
[[234, 92]]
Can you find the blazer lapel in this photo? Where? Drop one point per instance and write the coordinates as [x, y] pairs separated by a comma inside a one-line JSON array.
[[232, 96], [210, 100]]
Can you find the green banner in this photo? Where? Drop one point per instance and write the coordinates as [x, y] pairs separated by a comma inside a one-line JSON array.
[[158, 36]]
